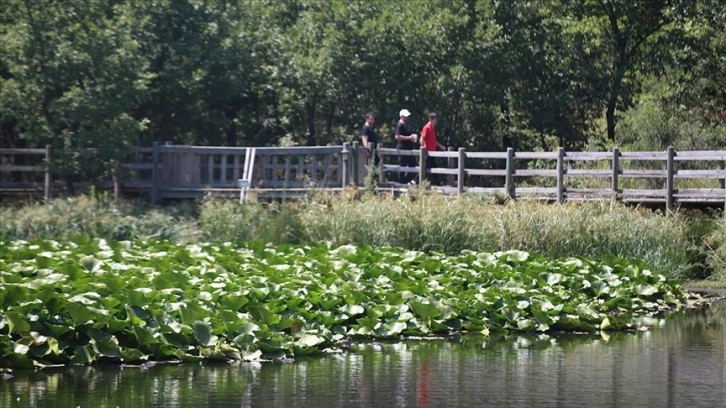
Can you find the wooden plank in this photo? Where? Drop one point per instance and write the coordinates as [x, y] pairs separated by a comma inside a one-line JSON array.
[[263, 151], [20, 152], [448, 154], [399, 152], [235, 166], [485, 172], [643, 173], [587, 156], [442, 170], [487, 190], [645, 156], [561, 175], [397, 168], [701, 191], [288, 160], [536, 155], [137, 166], [487, 155], [461, 171], [20, 168], [536, 172], [210, 168], [314, 168], [223, 168], [701, 155], [643, 193], [591, 191], [700, 174], [588, 173]]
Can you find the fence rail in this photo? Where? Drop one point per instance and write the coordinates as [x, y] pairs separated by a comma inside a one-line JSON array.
[[173, 171]]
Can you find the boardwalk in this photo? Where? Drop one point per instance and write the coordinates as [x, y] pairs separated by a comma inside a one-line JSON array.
[[171, 171]]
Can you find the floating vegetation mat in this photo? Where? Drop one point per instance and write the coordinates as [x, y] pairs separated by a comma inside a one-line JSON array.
[[87, 301]]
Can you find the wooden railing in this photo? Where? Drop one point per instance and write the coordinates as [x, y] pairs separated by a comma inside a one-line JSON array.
[[172, 171]]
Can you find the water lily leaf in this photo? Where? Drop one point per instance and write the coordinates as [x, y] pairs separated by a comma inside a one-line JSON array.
[[646, 290], [83, 355], [90, 263], [255, 355], [16, 322], [79, 313], [425, 310], [310, 340], [108, 348], [203, 333], [352, 310]]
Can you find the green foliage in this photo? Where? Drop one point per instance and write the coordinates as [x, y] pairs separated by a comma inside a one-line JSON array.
[[677, 244], [86, 301], [109, 74]]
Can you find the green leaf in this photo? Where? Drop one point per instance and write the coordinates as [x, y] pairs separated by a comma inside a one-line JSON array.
[[203, 333]]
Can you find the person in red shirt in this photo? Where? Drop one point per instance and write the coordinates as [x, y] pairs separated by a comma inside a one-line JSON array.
[[429, 142]]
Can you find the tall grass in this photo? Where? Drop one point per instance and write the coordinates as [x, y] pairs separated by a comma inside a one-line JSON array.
[[97, 217], [682, 246]]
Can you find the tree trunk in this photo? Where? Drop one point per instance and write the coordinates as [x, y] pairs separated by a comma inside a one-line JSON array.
[[613, 100], [310, 109]]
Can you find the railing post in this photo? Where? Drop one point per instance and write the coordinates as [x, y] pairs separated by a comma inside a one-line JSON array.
[[722, 164], [48, 187], [669, 178], [381, 173], [450, 165], [423, 154], [356, 164], [345, 153], [116, 180], [461, 172], [155, 173], [615, 166], [509, 178], [561, 175]]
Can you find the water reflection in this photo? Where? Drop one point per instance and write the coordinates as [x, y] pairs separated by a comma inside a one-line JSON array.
[[682, 363]]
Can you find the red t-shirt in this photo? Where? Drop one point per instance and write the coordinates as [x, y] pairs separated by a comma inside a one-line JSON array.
[[428, 137]]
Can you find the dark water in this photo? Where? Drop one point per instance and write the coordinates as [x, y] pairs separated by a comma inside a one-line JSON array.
[[679, 363]]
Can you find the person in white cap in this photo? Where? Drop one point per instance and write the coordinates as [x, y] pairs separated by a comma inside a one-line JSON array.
[[405, 140]]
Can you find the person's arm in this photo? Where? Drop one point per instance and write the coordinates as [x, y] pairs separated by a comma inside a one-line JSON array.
[[402, 138], [425, 133], [440, 146]]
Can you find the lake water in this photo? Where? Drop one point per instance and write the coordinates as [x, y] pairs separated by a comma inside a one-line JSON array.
[[681, 362]]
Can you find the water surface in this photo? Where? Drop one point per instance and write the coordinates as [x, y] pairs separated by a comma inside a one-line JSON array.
[[679, 363]]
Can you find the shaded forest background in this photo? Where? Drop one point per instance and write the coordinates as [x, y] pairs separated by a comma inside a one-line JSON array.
[[534, 75]]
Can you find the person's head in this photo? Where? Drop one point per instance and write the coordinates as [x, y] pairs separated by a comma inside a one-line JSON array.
[[370, 118], [433, 117], [405, 115]]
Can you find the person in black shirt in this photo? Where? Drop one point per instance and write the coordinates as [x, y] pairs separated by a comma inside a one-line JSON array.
[[369, 136], [405, 140]]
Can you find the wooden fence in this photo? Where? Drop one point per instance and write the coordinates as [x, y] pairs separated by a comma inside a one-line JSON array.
[[172, 171]]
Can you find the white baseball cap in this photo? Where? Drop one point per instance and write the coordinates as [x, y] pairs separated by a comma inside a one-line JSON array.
[[404, 113]]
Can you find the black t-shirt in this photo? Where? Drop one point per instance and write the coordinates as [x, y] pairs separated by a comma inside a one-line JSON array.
[[368, 131], [403, 130]]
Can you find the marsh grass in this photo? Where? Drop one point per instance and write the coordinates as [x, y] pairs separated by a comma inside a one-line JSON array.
[[679, 244]]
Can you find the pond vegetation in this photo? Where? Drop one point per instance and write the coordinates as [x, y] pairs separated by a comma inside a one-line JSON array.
[[95, 301]]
